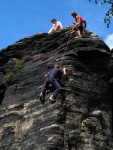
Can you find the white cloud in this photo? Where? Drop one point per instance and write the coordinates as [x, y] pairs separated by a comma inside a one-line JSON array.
[[109, 41]]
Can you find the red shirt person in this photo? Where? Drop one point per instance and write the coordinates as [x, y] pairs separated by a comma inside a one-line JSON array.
[[80, 24]]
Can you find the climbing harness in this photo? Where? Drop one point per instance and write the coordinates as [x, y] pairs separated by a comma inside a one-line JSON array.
[[66, 47]]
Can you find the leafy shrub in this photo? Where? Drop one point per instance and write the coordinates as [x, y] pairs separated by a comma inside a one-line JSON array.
[[27, 58], [18, 65], [8, 77]]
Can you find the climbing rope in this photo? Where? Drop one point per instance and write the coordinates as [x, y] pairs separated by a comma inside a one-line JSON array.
[[66, 48]]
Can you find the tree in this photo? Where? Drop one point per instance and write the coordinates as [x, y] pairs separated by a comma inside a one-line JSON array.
[[109, 13]]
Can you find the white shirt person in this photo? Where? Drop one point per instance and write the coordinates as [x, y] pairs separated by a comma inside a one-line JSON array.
[[57, 25]]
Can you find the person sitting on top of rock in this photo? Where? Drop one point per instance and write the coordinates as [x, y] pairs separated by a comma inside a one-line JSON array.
[[51, 78], [56, 26], [80, 24]]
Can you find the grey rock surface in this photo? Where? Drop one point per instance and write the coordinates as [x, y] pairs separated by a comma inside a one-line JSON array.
[[81, 118]]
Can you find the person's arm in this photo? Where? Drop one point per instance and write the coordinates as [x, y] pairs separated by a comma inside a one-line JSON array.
[[64, 71], [78, 21]]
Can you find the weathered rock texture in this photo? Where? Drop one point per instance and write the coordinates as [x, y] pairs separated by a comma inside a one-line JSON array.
[[81, 118]]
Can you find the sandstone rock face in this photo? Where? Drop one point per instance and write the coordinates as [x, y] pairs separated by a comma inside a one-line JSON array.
[[81, 118]]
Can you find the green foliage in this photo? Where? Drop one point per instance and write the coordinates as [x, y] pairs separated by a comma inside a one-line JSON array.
[[8, 77], [109, 13], [18, 65]]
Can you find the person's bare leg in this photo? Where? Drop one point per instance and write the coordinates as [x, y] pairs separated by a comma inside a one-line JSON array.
[[51, 30], [58, 28], [83, 32], [79, 33]]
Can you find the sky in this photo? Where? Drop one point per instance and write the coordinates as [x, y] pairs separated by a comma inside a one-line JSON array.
[[22, 18]]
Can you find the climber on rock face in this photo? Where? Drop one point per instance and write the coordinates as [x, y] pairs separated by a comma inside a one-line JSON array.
[[56, 26], [80, 24], [51, 78]]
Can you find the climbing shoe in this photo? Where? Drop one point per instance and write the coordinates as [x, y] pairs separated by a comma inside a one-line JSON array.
[[77, 37], [42, 97], [52, 98]]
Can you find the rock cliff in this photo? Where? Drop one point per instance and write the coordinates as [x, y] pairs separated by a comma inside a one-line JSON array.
[[81, 118]]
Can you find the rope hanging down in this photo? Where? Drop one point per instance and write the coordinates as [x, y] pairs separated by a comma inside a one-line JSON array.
[[66, 49]]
